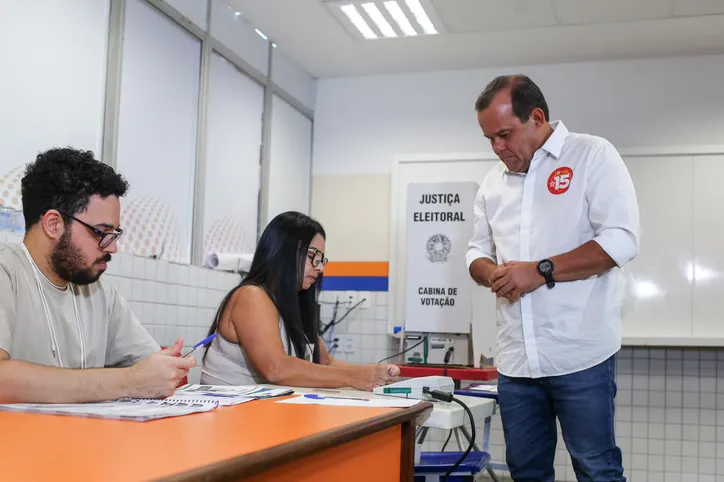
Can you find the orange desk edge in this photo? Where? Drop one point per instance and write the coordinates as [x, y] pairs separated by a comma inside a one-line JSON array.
[[229, 443]]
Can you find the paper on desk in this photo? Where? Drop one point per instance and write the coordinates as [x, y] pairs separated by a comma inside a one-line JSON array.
[[228, 394], [484, 388], [346, 402], [136, 409]]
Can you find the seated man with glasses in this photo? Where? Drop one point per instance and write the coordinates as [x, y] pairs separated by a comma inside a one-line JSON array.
[[66, 336]]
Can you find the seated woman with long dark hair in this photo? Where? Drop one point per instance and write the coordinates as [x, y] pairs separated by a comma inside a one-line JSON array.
[[268, 328]]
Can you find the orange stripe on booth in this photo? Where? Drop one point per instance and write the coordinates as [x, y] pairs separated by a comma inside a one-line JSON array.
[[357, 268]]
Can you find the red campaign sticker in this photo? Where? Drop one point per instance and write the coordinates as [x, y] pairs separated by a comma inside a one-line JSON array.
[[560, 180]]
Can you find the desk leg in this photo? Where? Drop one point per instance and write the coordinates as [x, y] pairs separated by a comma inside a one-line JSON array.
[[492, 474], [486, 435], [486, 445], [407, 455], [467, 436], [456, 431]]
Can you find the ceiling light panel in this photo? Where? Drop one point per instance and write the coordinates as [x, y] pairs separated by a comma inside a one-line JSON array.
[[376, 15], [393, 8], [375, 19], [421, 16], [353, 15]]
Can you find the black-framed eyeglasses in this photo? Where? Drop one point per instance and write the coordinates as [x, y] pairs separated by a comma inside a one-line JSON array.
[[317, 257], [104, 239]]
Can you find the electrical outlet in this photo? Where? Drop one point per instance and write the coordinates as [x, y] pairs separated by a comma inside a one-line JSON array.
[[350, 298], [347, 344], [367, 295]]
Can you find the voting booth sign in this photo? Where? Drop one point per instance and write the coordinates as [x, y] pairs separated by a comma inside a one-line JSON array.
[[439, 226]]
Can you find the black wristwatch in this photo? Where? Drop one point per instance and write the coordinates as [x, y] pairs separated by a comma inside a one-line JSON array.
[[545, 269]]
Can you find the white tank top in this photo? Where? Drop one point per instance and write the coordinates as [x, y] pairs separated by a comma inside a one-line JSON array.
[[226, 363]]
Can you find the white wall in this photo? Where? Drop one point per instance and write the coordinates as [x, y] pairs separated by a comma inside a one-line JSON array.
[[291, 77], [234, 32], [157, 132], [52, 85], [53, 93], [290, 160], [361, 122], [231, 198], [193, 10]]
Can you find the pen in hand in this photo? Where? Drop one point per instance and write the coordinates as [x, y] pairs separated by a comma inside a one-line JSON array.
[[200, 344]]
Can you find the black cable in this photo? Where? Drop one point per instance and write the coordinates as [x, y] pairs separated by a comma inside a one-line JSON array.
[[334, 316], [403, 352], [337, 322], [446, 441], [448, 397], [448, 355], [470, 445]]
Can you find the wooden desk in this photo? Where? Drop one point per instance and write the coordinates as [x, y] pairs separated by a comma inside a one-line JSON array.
[[256, 441]]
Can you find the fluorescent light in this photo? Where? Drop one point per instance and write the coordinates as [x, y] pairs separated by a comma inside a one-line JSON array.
[[274, 45], [399, 16], [379, 19], [238, 14], [354, 16], [421, 16], [261, 34]]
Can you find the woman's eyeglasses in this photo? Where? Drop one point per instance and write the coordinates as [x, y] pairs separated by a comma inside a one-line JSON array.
[[316, 257]]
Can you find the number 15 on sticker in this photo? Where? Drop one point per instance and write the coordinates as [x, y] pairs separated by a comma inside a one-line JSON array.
[[560, 180]]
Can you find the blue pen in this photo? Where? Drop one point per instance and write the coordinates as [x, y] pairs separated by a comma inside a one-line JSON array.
[[203, 342], [322, 397]]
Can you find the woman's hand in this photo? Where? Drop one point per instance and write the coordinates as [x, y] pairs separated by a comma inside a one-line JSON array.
[[368, 377]]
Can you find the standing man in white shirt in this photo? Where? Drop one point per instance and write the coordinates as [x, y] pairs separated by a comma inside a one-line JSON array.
[[554, 223]]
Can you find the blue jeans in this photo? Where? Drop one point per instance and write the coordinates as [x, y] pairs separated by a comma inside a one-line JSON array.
[[584, 405]]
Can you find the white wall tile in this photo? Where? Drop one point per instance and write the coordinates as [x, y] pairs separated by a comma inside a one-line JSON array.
[[193, 276], [124, 262], [114, 268], [381, 313], [204, 277], [162, 271], [183, 275], [159, 315], [174, 272], [139, 267], [149, 293], [181, 317]]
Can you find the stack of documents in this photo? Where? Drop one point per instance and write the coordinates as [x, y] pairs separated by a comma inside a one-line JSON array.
[[187, 399], [227, 394], [136, 409]]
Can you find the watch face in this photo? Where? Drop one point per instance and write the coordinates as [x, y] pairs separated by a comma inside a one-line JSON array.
[[545, 266]]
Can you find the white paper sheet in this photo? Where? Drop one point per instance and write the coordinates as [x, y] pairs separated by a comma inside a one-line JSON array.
[[347, 402], [484, 388]]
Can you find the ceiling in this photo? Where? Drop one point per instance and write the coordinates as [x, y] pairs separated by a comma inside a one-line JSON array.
[[495, 33]]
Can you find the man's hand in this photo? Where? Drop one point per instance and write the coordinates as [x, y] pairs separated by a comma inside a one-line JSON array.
[[158, 375], [514, 279]]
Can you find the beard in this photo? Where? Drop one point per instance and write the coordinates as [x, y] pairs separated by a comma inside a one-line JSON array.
[[67, 261]]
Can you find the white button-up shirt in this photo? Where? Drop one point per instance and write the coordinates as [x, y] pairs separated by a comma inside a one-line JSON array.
[[577, 189]]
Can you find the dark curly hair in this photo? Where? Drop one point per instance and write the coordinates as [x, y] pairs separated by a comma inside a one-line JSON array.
[[65, 179]]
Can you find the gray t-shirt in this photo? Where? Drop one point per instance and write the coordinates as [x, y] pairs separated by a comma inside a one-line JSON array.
[[112, 336]]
